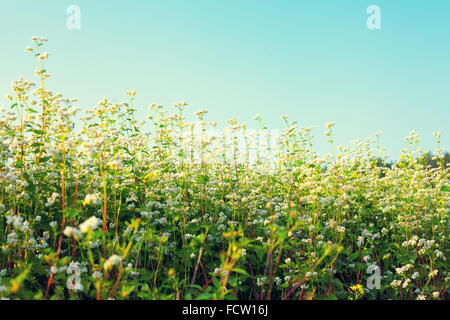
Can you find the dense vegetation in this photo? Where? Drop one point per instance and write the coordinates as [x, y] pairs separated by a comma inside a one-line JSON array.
[[111, 211]]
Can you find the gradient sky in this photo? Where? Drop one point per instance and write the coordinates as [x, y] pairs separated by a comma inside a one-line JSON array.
[[314, 60]]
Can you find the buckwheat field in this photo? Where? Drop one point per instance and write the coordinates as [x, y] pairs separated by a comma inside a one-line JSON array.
[[101, 205]]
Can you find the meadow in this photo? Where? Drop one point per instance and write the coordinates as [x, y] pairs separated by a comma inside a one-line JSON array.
[[107, 206]]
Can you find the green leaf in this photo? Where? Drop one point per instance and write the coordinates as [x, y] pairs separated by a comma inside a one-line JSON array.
[[203, 179], [71, 213], [36, 131], [260, 251], [44, 159], [241, 271]]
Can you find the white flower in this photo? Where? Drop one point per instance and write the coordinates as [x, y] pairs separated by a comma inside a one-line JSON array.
[[116, 164], [51, 201], [396, 283], [131, 93], [200, 112], [16, 221], [111, 262], [90, 224], [406, 283], [260, 281], [90, 198], [72, 232], [43, 56]]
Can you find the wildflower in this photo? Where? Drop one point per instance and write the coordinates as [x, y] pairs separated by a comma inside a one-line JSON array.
[[395, 283], [43, 56], [131, 93], [357, 289], [201, 112], [260, 281], [89, 225], [51, 201], [16, 221], [25, 226], [111, 262], [90, 198], [433, 273], [406, 283], [115, 164], [72, 232]]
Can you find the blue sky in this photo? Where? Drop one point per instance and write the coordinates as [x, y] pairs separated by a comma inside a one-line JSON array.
[[314, 60]]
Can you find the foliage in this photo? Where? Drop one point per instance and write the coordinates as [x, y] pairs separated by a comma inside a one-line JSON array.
[[110, 211]]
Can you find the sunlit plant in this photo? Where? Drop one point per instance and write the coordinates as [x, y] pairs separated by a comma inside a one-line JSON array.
[[107, 207]]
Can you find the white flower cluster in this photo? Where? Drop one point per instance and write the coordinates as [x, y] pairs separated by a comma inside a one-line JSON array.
[[112, 261], [90, 224]]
